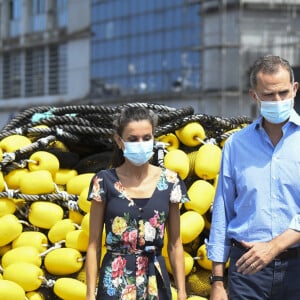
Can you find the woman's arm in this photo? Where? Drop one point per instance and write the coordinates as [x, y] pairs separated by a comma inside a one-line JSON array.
[[94, 247], [175, 250]]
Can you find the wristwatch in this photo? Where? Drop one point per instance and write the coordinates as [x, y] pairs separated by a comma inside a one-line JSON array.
[[214, 278]]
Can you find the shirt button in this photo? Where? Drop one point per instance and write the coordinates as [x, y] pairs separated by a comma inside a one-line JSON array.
[[140, 209]]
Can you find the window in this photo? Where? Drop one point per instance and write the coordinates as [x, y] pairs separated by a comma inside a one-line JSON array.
[[150, 42], [38, 18], [57, 70], [35, 72], [15, 7], [62, 13], [11, 75]]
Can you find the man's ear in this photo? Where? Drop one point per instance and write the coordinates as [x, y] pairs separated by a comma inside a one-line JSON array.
[[295, 88], [253, 95]]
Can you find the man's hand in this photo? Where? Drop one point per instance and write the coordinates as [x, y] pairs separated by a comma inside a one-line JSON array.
[[256, 258]]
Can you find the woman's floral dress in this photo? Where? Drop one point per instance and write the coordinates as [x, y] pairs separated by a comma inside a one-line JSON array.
[[133, 267]]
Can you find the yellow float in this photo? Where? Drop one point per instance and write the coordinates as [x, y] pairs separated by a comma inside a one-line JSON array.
[[77, 239], [10, 229], [208, 160], [171, 141], [70, 289], [63, 261], [45, 214], [10, 290], [35, 239], [77, 183], [14, 142], [60, 229], [83, 203], [27, 254], [12, 179], [201, 194], [191, 226], [27, 275], [62, 176], [192, 134], [7, 206], [178, 161], [43, 160], [37, 182]]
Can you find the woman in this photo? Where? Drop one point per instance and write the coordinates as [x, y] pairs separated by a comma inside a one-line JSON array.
[[135, 200]]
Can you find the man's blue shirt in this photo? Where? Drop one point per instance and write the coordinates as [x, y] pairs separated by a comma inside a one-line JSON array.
[[258, 192]]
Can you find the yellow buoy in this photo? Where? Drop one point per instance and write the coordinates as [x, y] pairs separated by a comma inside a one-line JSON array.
[[4, 249], [178, 161], [7, 206], [85, 224], [27, 275], [10, 229], [61, 146], [2, 186], [62, 176], [10, 290], [14, 142], [202, 259], [188, 263], [35, 239], [37, 182], [35, 296], [12, 179], [174, 293], [208, 160], [191, 134], [22, 254], [228, 134], [63, 261], [60, 229], [43, 160], [171, 141], [45, 214], [191, 225], [77, 239], [201, 194], [77, 183], [75, 216], [83, 203], [70, 289]]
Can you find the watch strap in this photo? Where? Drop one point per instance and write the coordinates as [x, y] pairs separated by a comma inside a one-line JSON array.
[[214, 278]]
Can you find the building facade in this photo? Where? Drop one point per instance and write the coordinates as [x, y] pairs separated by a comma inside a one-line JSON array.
[[44, 53], [173, 52], [188, 52], [145, 50]]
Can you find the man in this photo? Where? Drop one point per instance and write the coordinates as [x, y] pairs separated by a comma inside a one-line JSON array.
[[256, 211]]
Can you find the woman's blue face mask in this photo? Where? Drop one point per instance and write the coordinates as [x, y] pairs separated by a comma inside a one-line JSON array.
[[138, 153]]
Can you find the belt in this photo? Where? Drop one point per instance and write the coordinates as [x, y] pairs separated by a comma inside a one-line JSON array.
[[287, 254]]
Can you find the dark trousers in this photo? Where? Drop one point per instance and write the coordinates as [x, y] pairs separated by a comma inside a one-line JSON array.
[[280, 280]]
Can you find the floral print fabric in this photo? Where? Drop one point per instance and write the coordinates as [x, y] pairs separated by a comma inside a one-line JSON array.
[[133, 267]]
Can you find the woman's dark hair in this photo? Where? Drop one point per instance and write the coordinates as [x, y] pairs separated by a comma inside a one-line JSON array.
[[122, 119]]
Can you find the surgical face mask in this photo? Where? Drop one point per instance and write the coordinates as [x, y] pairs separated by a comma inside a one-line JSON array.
[[276, 111], [138, 153]]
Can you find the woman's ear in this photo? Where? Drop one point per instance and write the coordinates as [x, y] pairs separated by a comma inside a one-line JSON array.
[[118, 141]]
